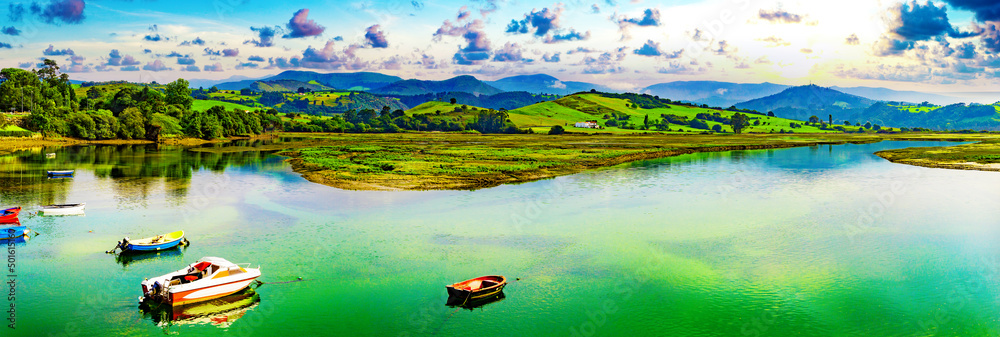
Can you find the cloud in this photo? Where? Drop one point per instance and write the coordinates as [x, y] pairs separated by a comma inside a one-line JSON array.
[[338, 38], [156, 65], [375, 37], [255, 58], [986, 10], [572, 35], [147, 51], [24, 65], [10, 31], [246, 65], [554, 58], [67, 11], [779, 16], [991, 36], [649, 49], [231, 52], [301, 26], [214, 67], [886, 46], [650, 17], [328, 58], [677, 68], [966, 51], [196, 42], [774, 41], [806, 51], [510, 52], [185, 61], [606, 63], [191, 68], [175, 54], [115, 58], [853, 40], [130, 68], [725, 49], [283, 63], [914, 22], [51, 51], [15, 12], [595, 9], [540, 22], [265, 36], [477, 49], [155, 38], [897, 73], [212, 52], [6, 46]]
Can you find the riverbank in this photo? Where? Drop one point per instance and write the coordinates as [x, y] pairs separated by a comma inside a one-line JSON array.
[[468, 162], [982, 156]]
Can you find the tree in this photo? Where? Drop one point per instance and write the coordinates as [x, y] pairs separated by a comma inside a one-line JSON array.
[[454, 101], [302, 90], [868, 125], [557, 130], [246, 92], [770, 114], [717, 127], [132, 124], [813, 119], [213, 89], [645, 122], [739, 122], [831, 118], [178, 93]]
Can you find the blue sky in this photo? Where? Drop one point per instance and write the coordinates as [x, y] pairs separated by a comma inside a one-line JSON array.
[[939, 46]]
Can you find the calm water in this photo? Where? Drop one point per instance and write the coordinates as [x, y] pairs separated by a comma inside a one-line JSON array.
[[829, 241]]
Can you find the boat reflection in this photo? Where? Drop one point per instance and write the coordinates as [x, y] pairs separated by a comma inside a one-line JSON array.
[[459, 302], [129, 257], [220, 312]]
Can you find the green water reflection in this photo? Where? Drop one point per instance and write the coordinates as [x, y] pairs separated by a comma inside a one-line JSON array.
[[828, 240]]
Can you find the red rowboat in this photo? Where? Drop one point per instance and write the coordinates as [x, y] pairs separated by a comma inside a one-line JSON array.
[[9, 215], [477, 288]]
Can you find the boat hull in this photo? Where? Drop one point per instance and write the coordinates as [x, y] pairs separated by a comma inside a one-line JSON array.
[[13, 232], [152, 248], [209, 293], [10, 215], [73, 209], [60, 173]]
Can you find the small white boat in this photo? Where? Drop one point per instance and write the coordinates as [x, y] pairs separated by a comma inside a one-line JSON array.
[[64, 209], [50, 155], [209, 278]]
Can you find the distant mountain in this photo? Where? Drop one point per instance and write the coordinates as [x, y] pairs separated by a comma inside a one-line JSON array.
[[544, 84], [285, 86], [345, 81], [810, 100], [509, 100], [464, 83], [206, 83], [883, 94], [720, 94]]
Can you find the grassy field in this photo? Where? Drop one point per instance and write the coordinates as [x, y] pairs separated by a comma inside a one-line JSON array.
[[577, 108], [430, 161], [984, 155], [915, 108], [202, 105]]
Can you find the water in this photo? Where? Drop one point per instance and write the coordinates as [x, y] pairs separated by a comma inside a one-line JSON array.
[[828, 240]]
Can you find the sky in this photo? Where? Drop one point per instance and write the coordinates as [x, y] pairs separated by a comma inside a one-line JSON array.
[[943, 46]]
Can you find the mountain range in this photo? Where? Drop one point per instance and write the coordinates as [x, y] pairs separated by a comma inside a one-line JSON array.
[[544, 84]]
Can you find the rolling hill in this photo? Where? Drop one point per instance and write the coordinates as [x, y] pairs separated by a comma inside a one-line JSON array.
[[883, 94], [544, 84], [810, 100], [346, 81], [720, 94], [568, 110], [286, 86], [464, 83]]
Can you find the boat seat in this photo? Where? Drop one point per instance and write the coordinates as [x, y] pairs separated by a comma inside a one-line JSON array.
[[190, 278], [474, 285]]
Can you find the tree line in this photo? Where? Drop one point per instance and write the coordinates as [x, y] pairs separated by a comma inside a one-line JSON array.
[[129, 113]]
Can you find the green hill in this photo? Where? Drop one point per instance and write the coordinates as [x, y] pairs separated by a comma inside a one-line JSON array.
[[286, 86], [568, 110], [464, 83]]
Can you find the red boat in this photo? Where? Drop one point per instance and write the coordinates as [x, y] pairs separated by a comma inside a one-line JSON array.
[[9, 215], [477, 288]]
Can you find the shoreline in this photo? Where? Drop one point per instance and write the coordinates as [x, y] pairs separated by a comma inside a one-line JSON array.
[[429, 161]]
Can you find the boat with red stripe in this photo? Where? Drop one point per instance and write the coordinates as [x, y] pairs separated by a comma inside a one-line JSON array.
[[207, 279]]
